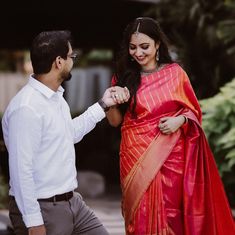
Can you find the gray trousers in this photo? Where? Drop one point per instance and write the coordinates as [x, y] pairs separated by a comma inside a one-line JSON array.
[[71, 217]]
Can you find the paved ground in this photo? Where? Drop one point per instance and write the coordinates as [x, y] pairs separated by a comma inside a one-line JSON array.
[[106, 208], [108, 211]]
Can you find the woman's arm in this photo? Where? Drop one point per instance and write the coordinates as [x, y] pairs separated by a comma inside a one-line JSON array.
[[114, 116], [120, 95]]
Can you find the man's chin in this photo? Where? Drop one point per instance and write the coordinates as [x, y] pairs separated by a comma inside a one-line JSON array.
[[68, 77]]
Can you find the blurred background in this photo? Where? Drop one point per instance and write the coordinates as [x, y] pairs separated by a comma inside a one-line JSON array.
[[202, 38]]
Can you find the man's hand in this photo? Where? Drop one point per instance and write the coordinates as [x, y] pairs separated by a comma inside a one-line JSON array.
[[37, 230], [116, 95], [169, 125]]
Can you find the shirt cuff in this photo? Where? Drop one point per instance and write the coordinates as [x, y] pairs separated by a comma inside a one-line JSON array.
[[97, 112], [33, 220]]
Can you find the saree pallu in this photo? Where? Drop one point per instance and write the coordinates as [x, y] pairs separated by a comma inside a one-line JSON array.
[[170, 183]]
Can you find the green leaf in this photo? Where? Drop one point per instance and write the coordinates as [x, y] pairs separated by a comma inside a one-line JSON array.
[[230, 154], [231, 162]]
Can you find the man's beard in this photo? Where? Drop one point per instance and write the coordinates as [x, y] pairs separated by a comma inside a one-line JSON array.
[[66, 76]]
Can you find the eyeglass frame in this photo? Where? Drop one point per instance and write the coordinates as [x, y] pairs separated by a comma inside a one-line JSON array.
[[73, 56]]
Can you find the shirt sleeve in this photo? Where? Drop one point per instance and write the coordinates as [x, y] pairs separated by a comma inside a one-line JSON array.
[[23, 142], [85, 122]]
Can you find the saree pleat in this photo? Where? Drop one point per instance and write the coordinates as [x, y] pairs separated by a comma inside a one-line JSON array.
[[170, 183], [206, 207]]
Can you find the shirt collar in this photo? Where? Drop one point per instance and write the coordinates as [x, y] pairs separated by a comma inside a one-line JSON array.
[[45, 90]]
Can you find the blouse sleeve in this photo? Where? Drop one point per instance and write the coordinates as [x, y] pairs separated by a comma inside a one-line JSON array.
[[113, 80]]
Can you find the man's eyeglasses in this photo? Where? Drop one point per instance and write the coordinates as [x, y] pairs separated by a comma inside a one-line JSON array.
[[73, 56]]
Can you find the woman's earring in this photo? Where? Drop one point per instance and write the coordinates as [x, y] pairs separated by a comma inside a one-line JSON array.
[[132, 59], [157, 55]]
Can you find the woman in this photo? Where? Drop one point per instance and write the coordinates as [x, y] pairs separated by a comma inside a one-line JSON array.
[[169, 179]]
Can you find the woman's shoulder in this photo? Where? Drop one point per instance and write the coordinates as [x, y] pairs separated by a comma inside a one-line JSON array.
[[176, 66], [170, 66], [179, 69]]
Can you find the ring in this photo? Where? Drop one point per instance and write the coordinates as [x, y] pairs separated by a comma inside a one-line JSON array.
[[116, 95]]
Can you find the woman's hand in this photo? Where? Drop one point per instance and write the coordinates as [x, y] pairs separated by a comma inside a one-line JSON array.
[[169, 125], [120, 95], [115, 95]]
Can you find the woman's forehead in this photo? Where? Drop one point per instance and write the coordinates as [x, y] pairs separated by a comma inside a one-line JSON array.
[[140, 38]]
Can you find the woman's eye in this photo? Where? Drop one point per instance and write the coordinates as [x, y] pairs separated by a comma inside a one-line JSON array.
[[132, 48], [145, 47]]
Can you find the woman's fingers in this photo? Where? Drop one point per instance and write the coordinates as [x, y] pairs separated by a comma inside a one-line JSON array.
[[120, 95]]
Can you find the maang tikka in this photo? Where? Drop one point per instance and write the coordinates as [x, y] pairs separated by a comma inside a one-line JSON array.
[[137, 29]]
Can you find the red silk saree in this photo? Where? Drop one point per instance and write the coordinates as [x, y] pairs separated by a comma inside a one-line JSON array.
[[170, 183]]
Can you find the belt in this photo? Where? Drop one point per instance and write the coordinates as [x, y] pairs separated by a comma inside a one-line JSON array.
[[58, 197]]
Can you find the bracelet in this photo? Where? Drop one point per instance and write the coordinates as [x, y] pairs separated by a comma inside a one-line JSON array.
[[185, 119], [103, 105]]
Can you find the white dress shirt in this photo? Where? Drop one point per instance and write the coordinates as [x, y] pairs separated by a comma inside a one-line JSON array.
[[40, 134]]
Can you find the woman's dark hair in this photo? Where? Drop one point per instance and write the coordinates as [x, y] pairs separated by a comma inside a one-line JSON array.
[[46, 47], [127, 71]]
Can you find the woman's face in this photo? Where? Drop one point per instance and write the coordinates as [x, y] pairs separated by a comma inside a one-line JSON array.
[[143, 49]]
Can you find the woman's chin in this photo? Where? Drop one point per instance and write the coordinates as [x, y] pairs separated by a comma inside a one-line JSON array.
[[142, 63]]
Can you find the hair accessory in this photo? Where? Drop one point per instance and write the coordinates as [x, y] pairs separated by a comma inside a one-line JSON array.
[[137, 29]]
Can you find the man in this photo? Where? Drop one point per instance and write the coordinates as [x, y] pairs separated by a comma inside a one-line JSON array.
[[40, 134]]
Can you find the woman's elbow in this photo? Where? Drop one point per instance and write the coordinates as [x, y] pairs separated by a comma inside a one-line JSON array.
[[114, 117], [114, 123]]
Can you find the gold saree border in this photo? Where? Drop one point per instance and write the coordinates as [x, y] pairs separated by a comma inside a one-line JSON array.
[[138, 180]]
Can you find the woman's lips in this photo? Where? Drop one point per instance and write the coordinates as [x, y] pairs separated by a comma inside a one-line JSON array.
[[140, 59]]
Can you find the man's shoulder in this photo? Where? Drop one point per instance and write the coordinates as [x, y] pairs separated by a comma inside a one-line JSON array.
[[22, 98]]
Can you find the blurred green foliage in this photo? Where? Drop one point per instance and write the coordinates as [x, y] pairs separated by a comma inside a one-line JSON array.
[[226, 29], [219, 125], [203, 35], [94, 57]]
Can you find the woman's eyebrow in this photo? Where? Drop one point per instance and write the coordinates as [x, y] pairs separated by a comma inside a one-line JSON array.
[[141, 44]]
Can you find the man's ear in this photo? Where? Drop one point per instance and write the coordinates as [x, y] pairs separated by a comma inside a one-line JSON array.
[[58, 62]]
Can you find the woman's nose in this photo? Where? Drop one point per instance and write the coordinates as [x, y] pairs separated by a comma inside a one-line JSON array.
[[138, 52]]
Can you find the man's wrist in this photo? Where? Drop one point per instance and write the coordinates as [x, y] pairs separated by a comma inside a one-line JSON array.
[[104, 106]]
